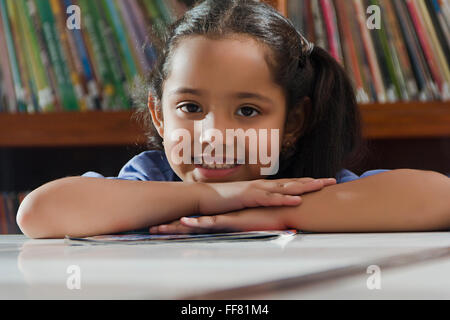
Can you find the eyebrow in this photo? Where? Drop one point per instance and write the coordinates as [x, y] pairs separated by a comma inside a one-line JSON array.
[[239, 95]]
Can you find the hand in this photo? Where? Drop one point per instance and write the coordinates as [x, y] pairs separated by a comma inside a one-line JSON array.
[[215, 198], [254, 219]]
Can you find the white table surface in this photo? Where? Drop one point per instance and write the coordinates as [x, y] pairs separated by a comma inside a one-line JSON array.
[[37, 269]]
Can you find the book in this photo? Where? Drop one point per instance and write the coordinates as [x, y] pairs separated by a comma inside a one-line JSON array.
[[430, 56], [7, 92], [319, 28], [65, 85], [146, 238], [69, 56], [349, 50], [417, 60], [23, 91], [437, 49], [370, 52], [399, 45]]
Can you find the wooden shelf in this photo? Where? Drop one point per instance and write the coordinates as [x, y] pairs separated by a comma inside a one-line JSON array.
[[406, 120], [380, 121], [69, 129]]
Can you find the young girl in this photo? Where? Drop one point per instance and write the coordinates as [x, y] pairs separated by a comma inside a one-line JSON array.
[[239, 64]]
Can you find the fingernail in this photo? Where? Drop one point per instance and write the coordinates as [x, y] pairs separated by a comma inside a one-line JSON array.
[[191, 221]]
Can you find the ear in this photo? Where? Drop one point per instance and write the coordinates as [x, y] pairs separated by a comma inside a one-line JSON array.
[[295, 123], [157, 116]]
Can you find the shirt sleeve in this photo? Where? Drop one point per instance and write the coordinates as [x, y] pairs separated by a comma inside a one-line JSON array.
[[147, 166], [348, 176]]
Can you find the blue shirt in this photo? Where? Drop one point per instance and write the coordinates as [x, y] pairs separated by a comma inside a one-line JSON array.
[[153, 166]]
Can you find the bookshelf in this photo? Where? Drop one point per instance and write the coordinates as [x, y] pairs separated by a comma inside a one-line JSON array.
[[71, 129]]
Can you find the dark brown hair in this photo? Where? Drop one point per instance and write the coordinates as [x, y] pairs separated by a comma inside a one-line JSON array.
[[331, 134]]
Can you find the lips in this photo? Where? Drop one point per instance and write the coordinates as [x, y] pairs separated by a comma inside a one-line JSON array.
[[217, 166], [213, 173], [211, 161]]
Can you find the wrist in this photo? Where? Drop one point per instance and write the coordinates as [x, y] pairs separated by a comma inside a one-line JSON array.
[[292, 217], [201, 193]]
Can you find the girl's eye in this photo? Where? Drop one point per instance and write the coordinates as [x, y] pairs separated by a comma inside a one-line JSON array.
[[190, 108], [248, 112]]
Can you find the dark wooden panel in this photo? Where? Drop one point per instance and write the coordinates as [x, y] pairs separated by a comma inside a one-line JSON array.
[[406, 120], [69, 129]]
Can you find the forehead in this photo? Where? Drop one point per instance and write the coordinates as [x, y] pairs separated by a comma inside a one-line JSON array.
[[221, 66]]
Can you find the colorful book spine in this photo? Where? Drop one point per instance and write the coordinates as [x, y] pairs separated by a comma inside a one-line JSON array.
[[112, 53], [403, 62], [8, 95], [362, 60], [444, 38], [436, 47], [331, 29], [119, 29], [156, 19], [137, 21], [413, 46], [68, 96], [386, 57], [68, 56], [76, 39], [133, 36], [46, 98], [426, 46], [319, 28], [164, 11], [370, 52], [309, 22], [350, 55], [94, 44], [23, 69], [393, 55], [14, 63]]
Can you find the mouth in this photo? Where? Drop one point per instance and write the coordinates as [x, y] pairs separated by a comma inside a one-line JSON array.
[[216, 166], [212, 170], [210, 163]]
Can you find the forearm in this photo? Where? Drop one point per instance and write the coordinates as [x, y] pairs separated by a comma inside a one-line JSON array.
[[80, 206], [400, 200]]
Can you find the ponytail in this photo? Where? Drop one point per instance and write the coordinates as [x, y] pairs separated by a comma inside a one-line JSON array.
[[331, 136]]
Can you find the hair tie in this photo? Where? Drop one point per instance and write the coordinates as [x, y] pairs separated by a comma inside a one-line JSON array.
[[309, 46]]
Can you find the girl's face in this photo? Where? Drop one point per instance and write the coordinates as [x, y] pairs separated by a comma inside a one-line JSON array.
[[219, 84]]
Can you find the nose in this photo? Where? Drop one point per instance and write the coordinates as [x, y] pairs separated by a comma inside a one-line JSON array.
[[212, 129]]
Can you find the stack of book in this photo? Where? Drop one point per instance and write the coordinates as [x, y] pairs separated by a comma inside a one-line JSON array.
[[9, 204], [394, 50], [77, 55]]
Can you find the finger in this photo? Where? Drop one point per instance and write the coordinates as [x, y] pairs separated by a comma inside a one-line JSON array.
[[220, 223], [174, 228], [329, 181], [295, 187], [264, 198], [235, 222]]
